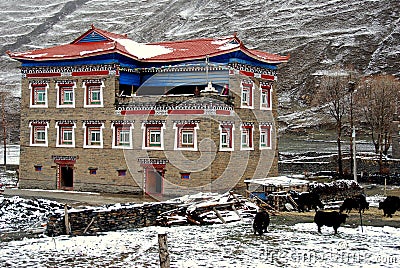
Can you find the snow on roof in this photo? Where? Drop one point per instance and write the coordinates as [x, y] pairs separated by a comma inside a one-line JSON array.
[[169, 51], [143, 51], [278, 181]]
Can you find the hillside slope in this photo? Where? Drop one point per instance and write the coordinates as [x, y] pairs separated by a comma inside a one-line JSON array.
[[317, 34]]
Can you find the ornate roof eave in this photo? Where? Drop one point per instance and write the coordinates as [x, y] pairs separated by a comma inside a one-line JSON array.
[[88, 55], [282, 59]]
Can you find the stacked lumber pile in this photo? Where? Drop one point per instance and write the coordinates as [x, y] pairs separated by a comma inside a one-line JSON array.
[[206, 209]]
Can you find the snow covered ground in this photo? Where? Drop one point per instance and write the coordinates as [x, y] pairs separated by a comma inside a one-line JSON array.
[[224, 245], [230, 245]]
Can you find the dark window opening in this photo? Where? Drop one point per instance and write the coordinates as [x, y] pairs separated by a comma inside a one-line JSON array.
[[121, 172], [92, 171], [185, 175], [38, 167]]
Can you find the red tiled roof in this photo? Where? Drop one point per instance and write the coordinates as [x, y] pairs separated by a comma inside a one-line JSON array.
[[153, 52]]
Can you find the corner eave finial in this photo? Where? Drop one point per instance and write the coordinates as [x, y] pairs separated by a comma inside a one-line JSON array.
[[93, 26]]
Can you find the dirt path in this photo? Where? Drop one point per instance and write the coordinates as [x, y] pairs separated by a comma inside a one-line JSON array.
[[76, 199]]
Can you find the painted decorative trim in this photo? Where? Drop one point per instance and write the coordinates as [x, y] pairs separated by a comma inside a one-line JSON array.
[[69, 71], [252, 71], [152, 161]]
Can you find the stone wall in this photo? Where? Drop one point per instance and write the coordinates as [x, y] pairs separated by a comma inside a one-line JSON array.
[[364, 165], [85, 222]]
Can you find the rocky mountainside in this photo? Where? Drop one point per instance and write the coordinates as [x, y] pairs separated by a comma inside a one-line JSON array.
[[317, 34]]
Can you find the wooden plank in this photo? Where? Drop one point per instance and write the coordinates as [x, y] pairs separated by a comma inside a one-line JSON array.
[[88, 226], [274, 211], [237, 212], [219, 215]]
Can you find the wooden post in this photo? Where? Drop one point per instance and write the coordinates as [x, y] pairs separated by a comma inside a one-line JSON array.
[[163, 250], [4, 124], [385, 188], [66, 219], [219, 216]]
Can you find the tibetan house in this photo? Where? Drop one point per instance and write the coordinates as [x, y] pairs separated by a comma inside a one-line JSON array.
[[107, 114]]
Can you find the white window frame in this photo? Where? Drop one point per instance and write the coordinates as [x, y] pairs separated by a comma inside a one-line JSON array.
[[86, 142], [249, 133], [146, 143], [32, 87], [155, 137], [58, 88], [59, 127], [86, 86], [222, 131], [32, 141], [179, 130], [248, 92], [267, 105], [114, 127], [266, 132]]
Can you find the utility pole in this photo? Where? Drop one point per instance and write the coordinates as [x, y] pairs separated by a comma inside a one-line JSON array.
[[4, 124], [351, 86]]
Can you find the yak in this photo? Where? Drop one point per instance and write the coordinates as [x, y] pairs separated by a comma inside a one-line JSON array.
[[357, 202], [261, 222], [330, 219], [306, 201], [390, 205]]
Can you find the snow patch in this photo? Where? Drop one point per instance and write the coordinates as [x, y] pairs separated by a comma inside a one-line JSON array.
[[143, 51]]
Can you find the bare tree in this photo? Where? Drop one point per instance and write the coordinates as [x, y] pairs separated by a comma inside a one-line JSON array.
[[377, 103], [334, 92]]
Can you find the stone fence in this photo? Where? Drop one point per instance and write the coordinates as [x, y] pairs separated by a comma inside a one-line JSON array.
[[366, 165], [116, 217]]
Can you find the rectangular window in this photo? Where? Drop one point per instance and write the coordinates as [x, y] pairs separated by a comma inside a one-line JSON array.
[[155, 138], [124, 137], [38, 167], [65, 95], [226, 137], [121, 172], [153, 135], [92, 171], [224, 140], [122, 134], [185, 176], [246, 139], [265, 137], [38, 95], [266, 100], [94, 94], [186, 136], [38, 135], [65, 134], [247, 94], [93, 135]]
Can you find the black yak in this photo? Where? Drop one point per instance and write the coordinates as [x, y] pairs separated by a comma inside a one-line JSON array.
[[261, 222], [306, 201], [358, 202], [330, 219], [390, 205]]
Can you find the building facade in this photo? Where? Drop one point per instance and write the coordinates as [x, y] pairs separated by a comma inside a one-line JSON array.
[[107, 114]]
